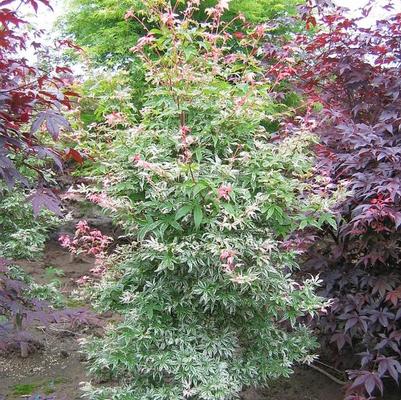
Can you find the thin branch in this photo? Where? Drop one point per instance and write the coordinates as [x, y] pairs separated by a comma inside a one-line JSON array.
[[330, 376]]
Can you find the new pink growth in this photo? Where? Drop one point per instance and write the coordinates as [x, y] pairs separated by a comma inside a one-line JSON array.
[[65, 241], [129, 14], [102, 200], [97, 272], [88, 241], [227, 257], [260, 31], [83, 280], [138, 162], [97, 198], [115, 118], [82, 227], [223, 192], [142, 42], [169, 18], [230, 58]]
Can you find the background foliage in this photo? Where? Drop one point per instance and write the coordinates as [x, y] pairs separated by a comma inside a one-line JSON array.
[[22, 235], [99, 26]]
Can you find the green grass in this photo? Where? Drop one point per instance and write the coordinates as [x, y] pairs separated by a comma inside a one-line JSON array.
[[24, 389], [71, 303], [45, 387]]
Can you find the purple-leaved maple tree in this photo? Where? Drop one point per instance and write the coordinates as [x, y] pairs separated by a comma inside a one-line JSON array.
[[31, 101], [350, 77]]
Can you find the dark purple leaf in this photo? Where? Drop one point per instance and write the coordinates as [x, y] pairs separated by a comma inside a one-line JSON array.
[[54, 122], [45, 199]]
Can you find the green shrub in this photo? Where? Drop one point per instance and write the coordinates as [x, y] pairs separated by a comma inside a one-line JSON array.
[[208, 302], [22, 235]]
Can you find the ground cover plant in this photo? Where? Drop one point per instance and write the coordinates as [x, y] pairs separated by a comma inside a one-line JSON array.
[[351, 76], [205, 196]]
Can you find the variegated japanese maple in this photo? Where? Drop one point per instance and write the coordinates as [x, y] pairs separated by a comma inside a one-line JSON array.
[[205, 193]]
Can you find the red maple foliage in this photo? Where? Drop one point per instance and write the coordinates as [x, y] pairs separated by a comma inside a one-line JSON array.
[[31, 100], [350, 77]]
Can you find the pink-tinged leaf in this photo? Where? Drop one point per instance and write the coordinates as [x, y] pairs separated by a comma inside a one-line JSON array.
[[394, 296]]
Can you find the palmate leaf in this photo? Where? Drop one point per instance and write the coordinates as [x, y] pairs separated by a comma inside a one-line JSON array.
[[54, 123], [367, 379], [43, 198], [382, 286], [391, 366]]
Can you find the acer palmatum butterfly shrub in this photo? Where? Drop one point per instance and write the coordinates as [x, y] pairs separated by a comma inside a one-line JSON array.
[[353, 73], [205, 194]]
